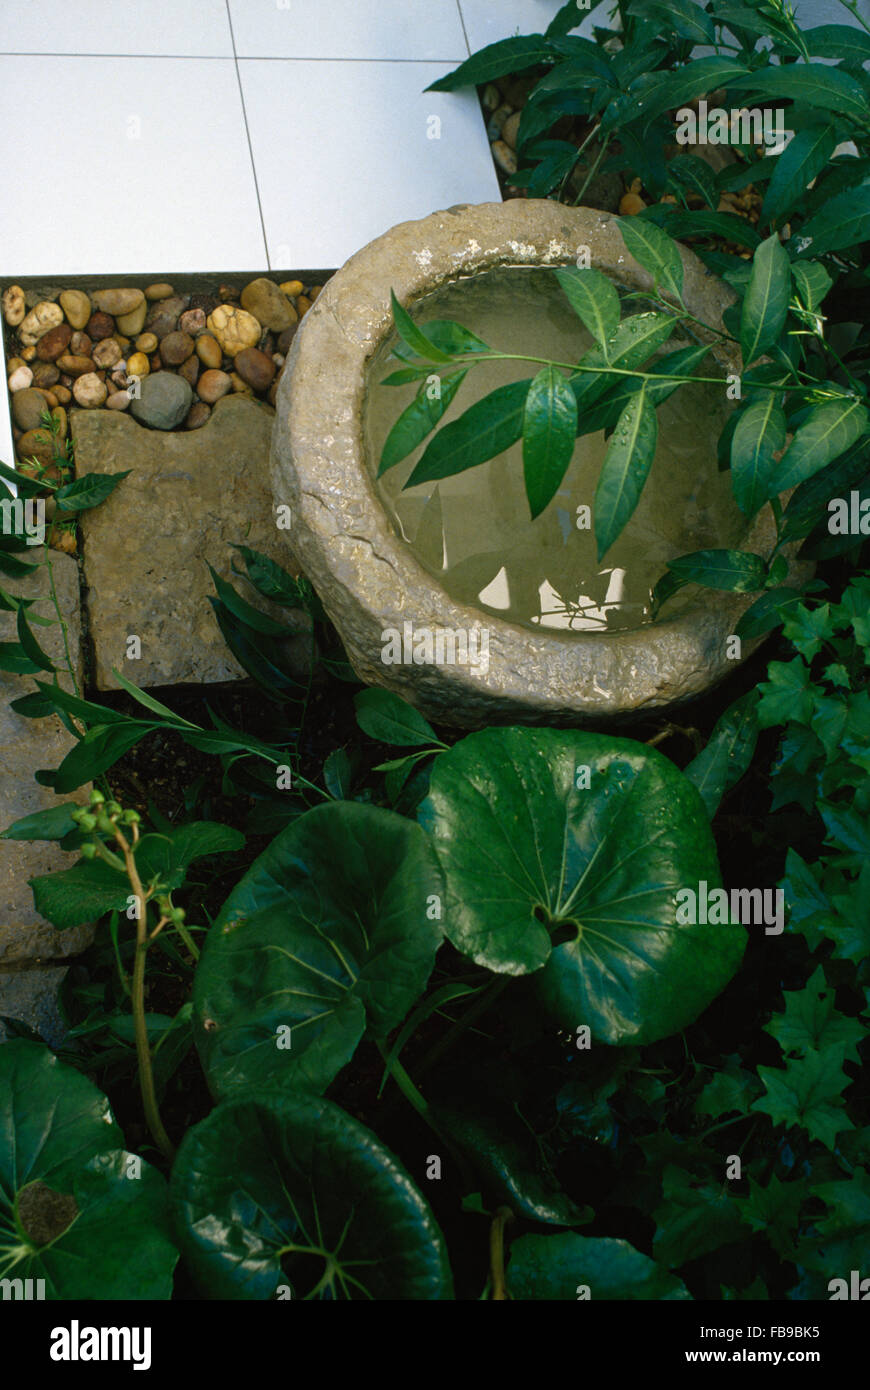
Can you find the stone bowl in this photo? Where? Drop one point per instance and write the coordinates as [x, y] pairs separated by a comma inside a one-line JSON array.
[[368, 578]]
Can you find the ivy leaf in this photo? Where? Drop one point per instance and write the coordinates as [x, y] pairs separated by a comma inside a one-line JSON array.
[[808, 1093], [549, 433], [594, 299], [843, 1234], [730, 1090], [812, 1022], [774, 1210], [653, 249], [692, 1218], [765, 303], [787, 694], [625, 469], [807, 628], [554, 1267]]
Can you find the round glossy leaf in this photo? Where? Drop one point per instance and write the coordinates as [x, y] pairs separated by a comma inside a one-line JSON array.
[[556, 1267], [563, 854], [286, 1195], [332, 930], [73, 1204]]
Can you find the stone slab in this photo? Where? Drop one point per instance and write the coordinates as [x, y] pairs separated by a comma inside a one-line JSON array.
[[147, 549], [25, 745], [30, 997]]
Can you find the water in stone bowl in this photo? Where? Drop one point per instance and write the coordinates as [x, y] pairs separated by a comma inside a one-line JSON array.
[[473, 531]]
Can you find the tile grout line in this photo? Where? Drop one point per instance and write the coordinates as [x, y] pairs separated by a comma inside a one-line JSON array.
[[464, 30], [248, 137], [230, 57]]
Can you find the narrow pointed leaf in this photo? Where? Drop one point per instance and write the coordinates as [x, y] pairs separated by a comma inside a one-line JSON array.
[[594, 299], [759, 434], [409, 332], [626, 466], [420, 417], [826, 433], [549, 434], [653, 249], [803, 158], [765, 304], [487, 428]]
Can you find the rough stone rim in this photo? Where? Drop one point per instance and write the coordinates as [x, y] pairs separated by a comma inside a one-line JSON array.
[[342, 533]]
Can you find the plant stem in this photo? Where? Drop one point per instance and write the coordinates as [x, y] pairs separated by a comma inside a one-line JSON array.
[[143, 1052], [593, 169], [575, 367], [488, 997], [496, 1253]]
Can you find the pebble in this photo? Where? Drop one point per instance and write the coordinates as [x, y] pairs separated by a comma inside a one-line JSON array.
[[510, 128], [131, 323], [107, 353], [286, 339], [89, 391], [192, 321], [138, 365], [49, 397], [123, 343], [175, 348], [314, 292], [255, 367], [208, 350], [303, 304], [80, 345], [234, 328], [491, 96], [37, 443], [212, 385], [41, 319], [504, 156], [155, 362], [13, 363], [228, 293], [76, 306], [60, 416], [189, 369], [13, 305], [291, 288], [21, 378], [263, 299], [119, 400], [163, 317], [27, 406], [53, 343], [273, 393], [146, 342], [240, 386], [630, 204], [45, 374], [197, 416], [62, 395], [164, 401], [496, 121], [74, 366], [28, 353], [100, 325], [121, 301], [159, 291]]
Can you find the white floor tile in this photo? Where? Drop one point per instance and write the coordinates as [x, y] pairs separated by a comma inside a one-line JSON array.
[[342, 153], [487, 21], [166, 28], [423, 29], [151, 168]]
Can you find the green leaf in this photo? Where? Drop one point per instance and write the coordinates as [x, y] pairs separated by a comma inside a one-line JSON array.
[[765, 303], [811, 281], [276, 1192], [390, 719], [653, 249], [168, 857], [684, 17], [487, 428], [81, 893], [413, 336], [555, 1267], [786, 694], [496, 60], [807, 628], [701, 222], [805, 156], [14, 658], [693, 1218], [85, 710], [594, 299], [549, 433], [826, 433], [840, 1241], [99, 750], [635, 340], [149, 701], [30, 646], [688, 171], [606, 412], [730, 1091], [88, 491], [575, 882], [758, 435], [625, 469], [420, 417], [270, 580], [774, 1211], [812, 1022], [766, 613], [807, 1094], [328, 932], [728, 752], [338, 773], [814, 84], [53, 823], [842, 222], [737, 570], [666, 91], [69, 1208]]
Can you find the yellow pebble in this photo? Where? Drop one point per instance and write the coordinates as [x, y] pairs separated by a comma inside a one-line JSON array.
[[302, 305], [630, 204], [146, 342], [291, 288], [138, 365]]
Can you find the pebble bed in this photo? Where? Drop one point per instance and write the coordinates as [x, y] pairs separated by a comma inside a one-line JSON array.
[[165, 357]]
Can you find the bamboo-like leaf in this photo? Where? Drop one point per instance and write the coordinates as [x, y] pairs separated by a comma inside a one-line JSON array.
[[765, 304], [758, 435], [549, 433], [826, 433], [656, 252], [413, 336], [421, 416], [594, 299], [625, 469], [487, 428], [803, 158]]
